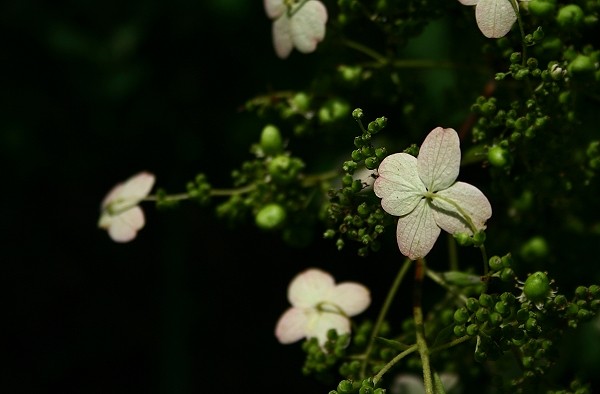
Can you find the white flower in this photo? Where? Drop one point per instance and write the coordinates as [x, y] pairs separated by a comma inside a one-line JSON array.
[[318, 305], [423, 193], [495, 18], [120, 213], [299, 24]]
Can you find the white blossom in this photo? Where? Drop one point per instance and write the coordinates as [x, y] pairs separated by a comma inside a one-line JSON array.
[[424, 193], [494, 18]]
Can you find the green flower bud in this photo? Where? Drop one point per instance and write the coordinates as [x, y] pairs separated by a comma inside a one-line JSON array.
[[472, 329], [570, 16], [534, 248], [580, 66], [459, 331], [537, 287], [461, 316], [270, 140], [358, 114], [270, 217], [542, 8], [301, 101], [472, 304], [486, 300], [463, 239], [495, 263], [333, 110], [498, 156], [507, 274]]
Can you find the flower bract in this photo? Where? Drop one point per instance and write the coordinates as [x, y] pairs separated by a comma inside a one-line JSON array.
[[120, 214], [424, 193], [318, 305], [297, 24], [494, 18]]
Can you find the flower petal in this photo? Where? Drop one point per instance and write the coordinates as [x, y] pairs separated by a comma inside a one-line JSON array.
[[495, 18], [309, 288], [326, 321], [398, 184], [468, 2], [274, 8], [124, 226], [439, 159], [417, 232], [291, 326], [307, 26], [470, 199], [282, 38], [352, 298]]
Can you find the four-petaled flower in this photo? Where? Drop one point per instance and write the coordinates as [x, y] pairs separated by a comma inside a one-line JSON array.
[[318, 305], [423, 193], [299, 24], [120, 213], [494, 18]]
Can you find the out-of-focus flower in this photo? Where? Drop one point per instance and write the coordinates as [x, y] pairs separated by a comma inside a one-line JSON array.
[[297, 24], [120, 214], [494, 18], [318, 305], [422, 191]]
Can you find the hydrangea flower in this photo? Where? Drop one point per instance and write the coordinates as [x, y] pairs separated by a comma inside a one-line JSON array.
[[120, 213], [297, 23], [424, 193], [318, 305], [494, 18]]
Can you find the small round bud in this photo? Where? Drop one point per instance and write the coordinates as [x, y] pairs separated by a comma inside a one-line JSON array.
[[358, 114], [570, 16], [507, 274], [542, 8], [270, 140], [270, 217], [472, 329], [580, 66], [498, 156], [495, 263], [537, 287], [461, 316], [459, 331], [486, 300], [472, 304]]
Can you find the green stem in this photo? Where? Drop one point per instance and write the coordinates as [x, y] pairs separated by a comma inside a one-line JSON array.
[[383, 312], [393, 362], [420, 327], [379, 58], [515, 7], [452, 253], [440, 281]]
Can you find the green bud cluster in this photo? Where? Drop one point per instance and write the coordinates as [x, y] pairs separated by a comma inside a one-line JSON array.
[[199, 189], [322, 359], [353, 215]]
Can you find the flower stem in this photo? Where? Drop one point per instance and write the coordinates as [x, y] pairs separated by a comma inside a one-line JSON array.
[[420, 327], [515, 7], [383, 313]]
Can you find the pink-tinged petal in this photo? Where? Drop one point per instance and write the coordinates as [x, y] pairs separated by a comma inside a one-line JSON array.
[[398, 184], [112, 195], [138, 186], [468, 2], [352, 298], [309, 288], [124, 226], [274, 8], [282, 39], [417, 232], [291, 326], [307, 26], [495, 18], [439, 159], [470, 199], [326, 321]]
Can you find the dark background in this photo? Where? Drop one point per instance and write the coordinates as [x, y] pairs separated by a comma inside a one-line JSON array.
[[91, 92]]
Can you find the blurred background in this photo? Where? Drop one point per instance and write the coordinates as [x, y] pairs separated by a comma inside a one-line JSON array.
[[91, 93]]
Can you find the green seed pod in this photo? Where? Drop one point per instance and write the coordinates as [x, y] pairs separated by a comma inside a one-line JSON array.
[[270, 217], [537, 287]]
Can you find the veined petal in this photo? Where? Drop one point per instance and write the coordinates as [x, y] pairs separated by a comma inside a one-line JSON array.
[[124, 226], [398, 184], [291, 326], [417, 231], [129, 193], [352, 298], [274, 8], [307, 26], [318, 327], [439, 159], [468, 2], [309, 288], [282, 38], [470, 199], [495, 18]]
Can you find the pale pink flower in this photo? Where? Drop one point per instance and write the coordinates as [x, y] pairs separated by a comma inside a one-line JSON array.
[[318, 305], [424, 193], [120, 213], [296, 24]]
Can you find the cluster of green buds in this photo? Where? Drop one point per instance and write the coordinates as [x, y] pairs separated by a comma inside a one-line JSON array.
[[365, 386], [321, 359], [354, 214]]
